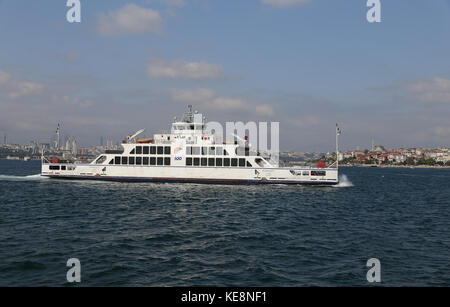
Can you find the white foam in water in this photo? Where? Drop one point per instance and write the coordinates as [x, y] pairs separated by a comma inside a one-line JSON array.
[[344, 182], [22, 178]]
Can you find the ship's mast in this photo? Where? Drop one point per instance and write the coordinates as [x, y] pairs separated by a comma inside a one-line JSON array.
[[338, 133], [189, 115]]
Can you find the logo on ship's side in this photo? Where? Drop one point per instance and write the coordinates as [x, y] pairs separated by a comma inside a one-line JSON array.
[[178, 151]]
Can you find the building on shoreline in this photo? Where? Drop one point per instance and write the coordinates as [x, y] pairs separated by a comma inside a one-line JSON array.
[[405, 156]]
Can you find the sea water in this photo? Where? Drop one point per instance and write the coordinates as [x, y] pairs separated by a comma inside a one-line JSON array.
[[133, 234]]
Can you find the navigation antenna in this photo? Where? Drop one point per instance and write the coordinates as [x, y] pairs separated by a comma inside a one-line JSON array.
[[189, 115], [338, 133]]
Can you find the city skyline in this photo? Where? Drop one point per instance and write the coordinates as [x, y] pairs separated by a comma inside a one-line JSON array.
[[297, 63]]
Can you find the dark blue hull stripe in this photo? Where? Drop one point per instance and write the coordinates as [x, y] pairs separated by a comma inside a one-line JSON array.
[[192, 180]]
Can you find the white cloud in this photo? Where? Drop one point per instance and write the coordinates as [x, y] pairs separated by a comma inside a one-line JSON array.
[[441, 131], [436, 90], [209, 99], [284, 3], [192, 96], [304, 122], [130, 19], [184, 70], [264, 110], [18, 88], [72, 101], [4, 77]]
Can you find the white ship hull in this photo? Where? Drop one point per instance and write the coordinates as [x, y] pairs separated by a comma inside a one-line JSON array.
[[216, 175]]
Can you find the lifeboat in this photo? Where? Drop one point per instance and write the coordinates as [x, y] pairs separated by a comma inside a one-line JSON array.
[[321, 165], [144, 141]]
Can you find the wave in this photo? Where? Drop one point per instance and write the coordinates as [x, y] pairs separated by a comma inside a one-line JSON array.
[[344, 182], [22, 178]]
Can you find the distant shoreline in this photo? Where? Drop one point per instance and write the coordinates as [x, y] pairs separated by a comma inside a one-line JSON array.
[[398, 166]]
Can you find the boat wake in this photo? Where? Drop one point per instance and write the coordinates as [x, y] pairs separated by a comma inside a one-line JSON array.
[[22, 178], [344, 182]]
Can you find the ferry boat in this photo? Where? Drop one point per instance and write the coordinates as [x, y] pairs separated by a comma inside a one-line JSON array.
[[189, 154]]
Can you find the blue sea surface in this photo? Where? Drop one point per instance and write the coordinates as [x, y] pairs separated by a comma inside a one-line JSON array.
[[133, 234]]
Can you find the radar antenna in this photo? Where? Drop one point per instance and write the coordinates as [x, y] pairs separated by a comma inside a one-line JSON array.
[[189, 115]]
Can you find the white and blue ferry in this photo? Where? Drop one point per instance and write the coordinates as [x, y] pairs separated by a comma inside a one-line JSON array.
[[189, 154]]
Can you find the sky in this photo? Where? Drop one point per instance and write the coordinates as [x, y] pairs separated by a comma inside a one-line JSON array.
[[307, 64]]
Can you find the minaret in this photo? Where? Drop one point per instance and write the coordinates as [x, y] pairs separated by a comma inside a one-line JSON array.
[[57, 137]]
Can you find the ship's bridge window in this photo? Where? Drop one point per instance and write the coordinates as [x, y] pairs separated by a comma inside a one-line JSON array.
[[54, 167], [124, 160], [153, 150], [212, 151], [145, 150], [117, 160], [100, 160], [167, 150], [241, 162], [226, 162], [139, 150], [318, 173], [234, 162], [160, 150], [195, 151], [133, 151], [204, 151], [196, 161], [152, 161], [188, 150], [145, 161], [160, 161], [131, 160], [219, 161], [211, 162], [188, 161]]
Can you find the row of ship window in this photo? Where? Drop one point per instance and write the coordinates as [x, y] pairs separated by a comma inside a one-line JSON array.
[[62, 168], [190, 151], [141, 161], [233, 162], [204, 151], [151, 150], [166, 161]]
